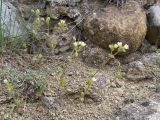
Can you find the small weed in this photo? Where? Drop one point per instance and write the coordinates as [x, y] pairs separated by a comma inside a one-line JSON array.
[[27, 86], [116, 49], [119, 74], [78, 46], [87, 89], [62, 25]]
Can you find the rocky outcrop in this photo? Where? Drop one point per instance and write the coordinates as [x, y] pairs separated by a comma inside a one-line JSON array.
[[10, 21], [112, 24]]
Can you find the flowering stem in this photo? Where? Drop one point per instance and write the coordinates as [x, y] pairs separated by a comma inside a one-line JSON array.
[[64, 70]]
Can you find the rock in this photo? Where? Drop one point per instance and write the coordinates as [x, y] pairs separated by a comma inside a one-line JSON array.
[[130, 58], [137, 64], [26, 1], [73, 13], [10, 23], [63, 11], [157, 89], [147, 3], [49, 102], [146, 47], [112, 24], [52, 41], [153, 32], [150, 60], [25, 11], [65, 2], [143, 110], [137, 71], [101, 82], [94, 56], [64, 49]]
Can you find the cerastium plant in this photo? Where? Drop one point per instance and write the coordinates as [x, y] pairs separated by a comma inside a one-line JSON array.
[[24, 86], [37, 23], [78, 46], [87, 89], [116, 49]]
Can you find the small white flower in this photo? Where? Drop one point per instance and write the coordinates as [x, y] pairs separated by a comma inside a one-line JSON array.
[[82, 44], [126, 46], [110, 46], [5, 81], [115, 46], [119, 43], [62, 22], [75, 44], [79, 44], [69, 58], [94, 79]]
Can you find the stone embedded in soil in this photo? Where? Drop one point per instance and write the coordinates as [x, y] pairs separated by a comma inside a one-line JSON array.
[[146, 47], [138, 65], [150, 59], [94, 56], [65, 2], [64, 49], [130, 58], [49, 102], [157, 89], [112, 24], [25, 11], [143, 110], [137, 71], [101, 82], [63, 11], [153, 32], [51, 41]]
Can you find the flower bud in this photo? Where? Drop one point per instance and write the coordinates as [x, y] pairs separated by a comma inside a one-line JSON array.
[[48, 21], [37, 13]]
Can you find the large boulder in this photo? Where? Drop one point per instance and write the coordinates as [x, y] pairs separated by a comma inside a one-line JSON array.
[[112, 24], [153, 32]]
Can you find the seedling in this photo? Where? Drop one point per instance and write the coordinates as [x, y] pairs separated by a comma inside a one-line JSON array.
[[87, 89]]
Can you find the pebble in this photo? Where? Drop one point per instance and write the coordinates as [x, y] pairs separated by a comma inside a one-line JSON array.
[[49, 102]]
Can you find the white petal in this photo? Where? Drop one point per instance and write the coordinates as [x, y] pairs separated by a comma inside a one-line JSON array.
[[110, 46], [119, 43], [62, 21], [75, 44], [126, 46], [115, 46], [94, 79], [5, 81], [83, 44]]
